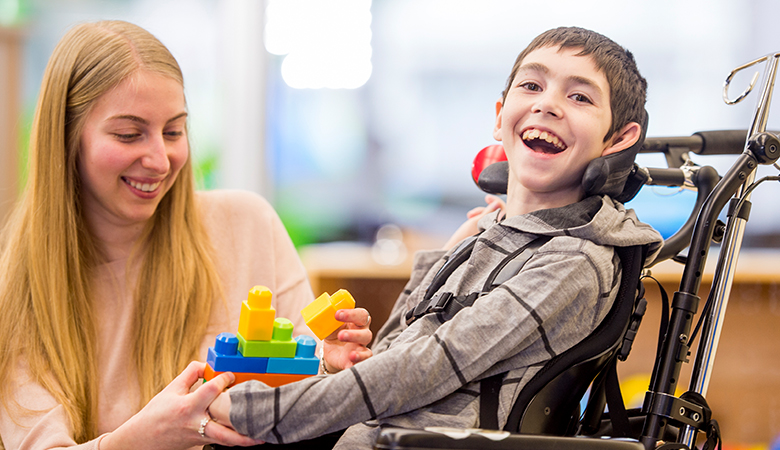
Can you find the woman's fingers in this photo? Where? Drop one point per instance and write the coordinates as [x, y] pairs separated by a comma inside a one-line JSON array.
[[215, 431], [207, 392], [185, 380]]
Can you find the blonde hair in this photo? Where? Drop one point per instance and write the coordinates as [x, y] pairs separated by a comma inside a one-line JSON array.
[[48, 316]]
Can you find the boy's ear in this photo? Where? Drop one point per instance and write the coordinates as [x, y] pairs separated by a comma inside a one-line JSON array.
[[497, 127], [624, 138]]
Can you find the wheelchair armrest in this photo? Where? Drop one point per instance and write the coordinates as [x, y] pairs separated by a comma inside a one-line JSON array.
[[472, 439]]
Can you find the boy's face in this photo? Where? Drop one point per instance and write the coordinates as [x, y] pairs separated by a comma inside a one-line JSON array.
[[553, 123]]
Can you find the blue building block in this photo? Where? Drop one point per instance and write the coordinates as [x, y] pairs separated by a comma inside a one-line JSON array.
[[304, 362], [225, 357]]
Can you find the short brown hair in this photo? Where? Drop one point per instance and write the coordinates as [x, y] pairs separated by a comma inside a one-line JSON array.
[[628, 89]]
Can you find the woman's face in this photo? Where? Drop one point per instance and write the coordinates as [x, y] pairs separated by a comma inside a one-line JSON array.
[[133, 146]]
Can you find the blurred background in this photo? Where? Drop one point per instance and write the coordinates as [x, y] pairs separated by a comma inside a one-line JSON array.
[[353, 114]]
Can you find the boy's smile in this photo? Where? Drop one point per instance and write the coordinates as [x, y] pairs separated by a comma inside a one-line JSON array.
[[552, 124]]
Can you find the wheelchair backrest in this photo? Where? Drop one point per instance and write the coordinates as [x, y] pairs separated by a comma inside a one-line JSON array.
[[549, 403]]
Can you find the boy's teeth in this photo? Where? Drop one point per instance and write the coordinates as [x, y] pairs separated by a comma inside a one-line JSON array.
[[543, 135]]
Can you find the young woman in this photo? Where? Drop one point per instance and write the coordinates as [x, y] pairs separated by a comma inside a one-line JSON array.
[[115, 274]]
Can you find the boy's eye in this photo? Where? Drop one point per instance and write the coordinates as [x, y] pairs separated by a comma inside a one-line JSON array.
[[531, 86], [580, 98]]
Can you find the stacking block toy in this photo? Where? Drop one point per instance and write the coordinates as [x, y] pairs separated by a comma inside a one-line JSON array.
[[320, 314], [263, 349], [303, 363], [256, 322], [280, 345], [270, 379], [224, 357]]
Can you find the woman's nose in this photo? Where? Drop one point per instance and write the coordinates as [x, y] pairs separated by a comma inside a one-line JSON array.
[[156, 157]]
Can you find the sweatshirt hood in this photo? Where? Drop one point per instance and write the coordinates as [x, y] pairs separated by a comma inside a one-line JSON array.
[[599, 219]]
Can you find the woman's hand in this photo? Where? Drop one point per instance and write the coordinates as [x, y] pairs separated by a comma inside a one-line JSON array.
[[178, 418], [469, 227], [347, 346]]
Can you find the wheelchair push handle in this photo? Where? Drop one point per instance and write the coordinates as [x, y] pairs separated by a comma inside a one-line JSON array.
[[718, 142]]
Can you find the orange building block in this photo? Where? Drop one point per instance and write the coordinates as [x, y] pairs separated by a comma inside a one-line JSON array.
[[271, 379], [256, 322], [320, 314]]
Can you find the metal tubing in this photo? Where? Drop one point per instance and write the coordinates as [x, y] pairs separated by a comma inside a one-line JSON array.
[[727, 263]]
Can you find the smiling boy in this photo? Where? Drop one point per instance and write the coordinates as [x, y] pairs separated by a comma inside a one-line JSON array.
[[573, 96]]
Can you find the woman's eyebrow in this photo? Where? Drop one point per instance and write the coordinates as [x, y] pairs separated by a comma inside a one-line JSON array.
[[143, 121], [130, 117]]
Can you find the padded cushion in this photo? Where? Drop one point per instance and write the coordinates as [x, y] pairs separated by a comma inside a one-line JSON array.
[[608, 174]]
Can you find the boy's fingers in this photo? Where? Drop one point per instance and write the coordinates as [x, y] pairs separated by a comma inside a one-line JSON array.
[[362, 336], [359, 356], [474, 212], [356, 316]]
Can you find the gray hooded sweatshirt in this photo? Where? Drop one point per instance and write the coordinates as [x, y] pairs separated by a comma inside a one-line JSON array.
[[428, 373]]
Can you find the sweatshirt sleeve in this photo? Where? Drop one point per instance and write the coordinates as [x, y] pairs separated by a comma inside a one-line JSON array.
[[423, 262], [527, 319]]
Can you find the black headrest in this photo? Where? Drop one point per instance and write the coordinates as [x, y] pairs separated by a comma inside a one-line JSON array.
[[608, 174]]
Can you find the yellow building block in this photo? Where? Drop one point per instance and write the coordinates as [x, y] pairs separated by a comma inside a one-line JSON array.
[[281, 344], [320, 314], [256, 322]]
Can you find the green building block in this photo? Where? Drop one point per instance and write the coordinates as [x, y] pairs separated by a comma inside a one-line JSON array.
[[281, 344]]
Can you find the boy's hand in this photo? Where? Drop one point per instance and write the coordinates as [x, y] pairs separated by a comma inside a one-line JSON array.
[[347, 346], [469, 227]]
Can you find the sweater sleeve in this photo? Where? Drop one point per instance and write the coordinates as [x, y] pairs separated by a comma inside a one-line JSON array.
[[526, 320], [44, 424]]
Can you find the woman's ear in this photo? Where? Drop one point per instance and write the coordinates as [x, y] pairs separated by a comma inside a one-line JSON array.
[[623, 139], [497, 127]]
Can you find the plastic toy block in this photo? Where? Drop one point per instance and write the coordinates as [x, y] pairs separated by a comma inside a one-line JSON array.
[[224, 357], [304, 363], [256, 321], [281, 344], [271, 379], [320, 315]]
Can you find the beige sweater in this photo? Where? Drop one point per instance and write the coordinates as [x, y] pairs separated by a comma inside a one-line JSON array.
[[252, 248]]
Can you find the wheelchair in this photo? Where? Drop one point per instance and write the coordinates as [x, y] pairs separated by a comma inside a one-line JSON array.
[[546, 414]]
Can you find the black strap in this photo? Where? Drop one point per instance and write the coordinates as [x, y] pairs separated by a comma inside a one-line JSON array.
[[512, 264], [617, 408], [489, 389], [446, 304], [458, 257]]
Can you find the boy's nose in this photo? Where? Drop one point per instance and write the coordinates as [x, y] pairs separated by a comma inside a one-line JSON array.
[[547, 104]]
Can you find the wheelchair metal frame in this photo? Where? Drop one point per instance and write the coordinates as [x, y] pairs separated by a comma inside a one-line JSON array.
[[760, 148]]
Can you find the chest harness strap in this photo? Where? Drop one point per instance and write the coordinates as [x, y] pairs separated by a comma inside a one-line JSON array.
[[447, 304]]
